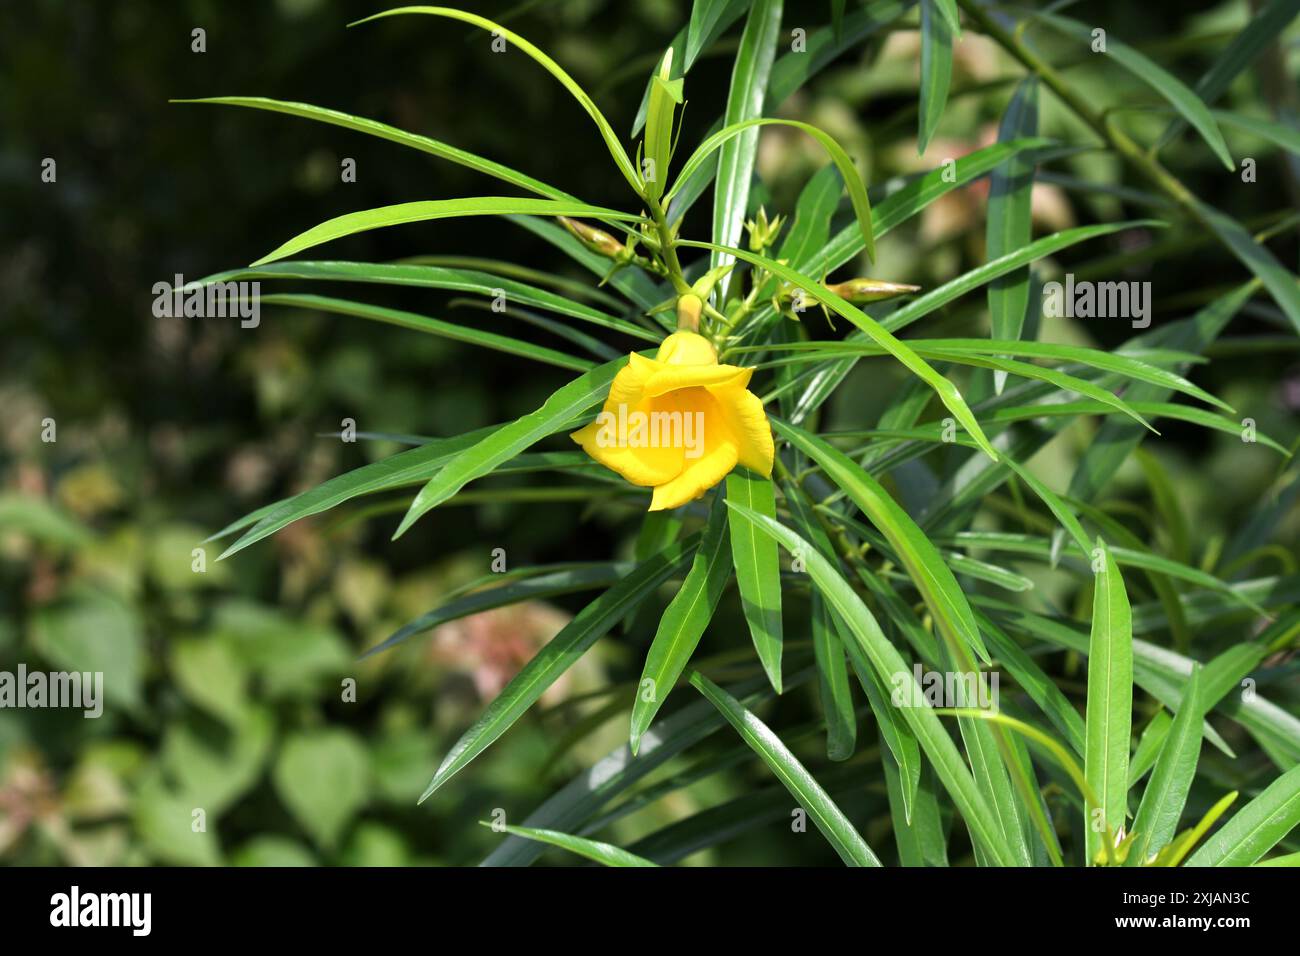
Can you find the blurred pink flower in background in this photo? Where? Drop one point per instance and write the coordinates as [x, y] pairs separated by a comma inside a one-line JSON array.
[[491, 648]]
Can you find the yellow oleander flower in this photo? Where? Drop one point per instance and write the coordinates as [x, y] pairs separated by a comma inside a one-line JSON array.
[[680, 422]]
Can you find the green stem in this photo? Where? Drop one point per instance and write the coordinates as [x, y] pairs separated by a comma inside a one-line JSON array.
[[834, 532], [667, 246], [1116, 138]]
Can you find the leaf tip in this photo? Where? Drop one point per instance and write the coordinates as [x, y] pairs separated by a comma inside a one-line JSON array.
[[407, 520]]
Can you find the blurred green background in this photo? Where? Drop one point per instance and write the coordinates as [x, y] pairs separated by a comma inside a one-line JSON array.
[[225, 687]]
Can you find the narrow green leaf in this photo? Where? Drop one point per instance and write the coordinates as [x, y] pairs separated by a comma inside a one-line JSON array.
[[848, 172], [1116, 440], [1287, 137], [1117, 362], [561, 653], [1224, 674], [602, 853], [572, 807], [1163, 82], [557, 327], [1041, 688], [427, 210], [936, 69], [1262, 29], [432, 326], [919, 557], [827, 817], [993, 574], [1162, 672], [811, 228], [1045, 742], [1005, 783], [1061, 380], [437, 277], [948, 10], [1173, 854], [1010, 219], [913, 197], [833, 684], [1109, 716], [1053, 501], [709, 18], [886, 660], [1280, 282], [515, 40], [922, 840], [394, 135], [828, 647], [1128, 365], [665, 97], [1038, 249], [1165, 499], [513, 270], [249, 519], [1149, 746], [1256, 828], [1290, 859], [1171, 778], [897, 736], [758, 570], [932, 432], [744, 102], [683, 622], [675, 72], [565, 404], [531, 589], [405, 468]]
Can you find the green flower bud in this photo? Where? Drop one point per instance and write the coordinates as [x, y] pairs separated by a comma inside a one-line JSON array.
[[858, 291], [597, 240], [762, 233]]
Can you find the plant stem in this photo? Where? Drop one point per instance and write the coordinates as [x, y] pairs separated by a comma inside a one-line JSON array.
[[667, 246], [1117, 139], [835, 533]]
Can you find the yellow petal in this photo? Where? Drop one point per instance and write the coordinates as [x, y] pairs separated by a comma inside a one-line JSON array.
[[629, 382], [696, 478], [640, 365], [641, 466], [669, 378], [687, 348], [748, 423]]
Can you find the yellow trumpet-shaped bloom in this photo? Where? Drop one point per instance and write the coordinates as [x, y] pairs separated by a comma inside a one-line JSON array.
[[680, 422]]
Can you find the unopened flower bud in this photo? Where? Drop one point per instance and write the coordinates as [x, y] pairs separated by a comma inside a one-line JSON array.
[[762, 232], [858, 291], [597, 240], [689, 307]]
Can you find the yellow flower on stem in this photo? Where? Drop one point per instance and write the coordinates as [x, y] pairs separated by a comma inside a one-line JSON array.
[[680, 422]]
